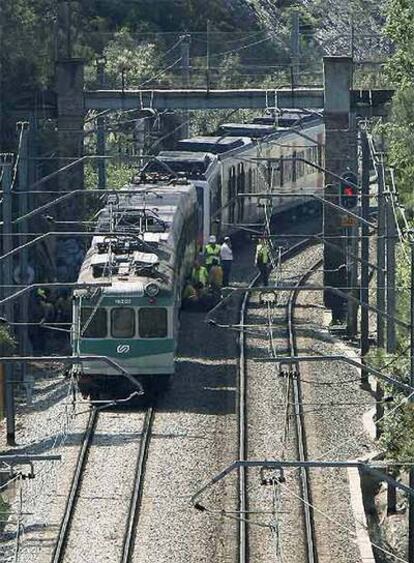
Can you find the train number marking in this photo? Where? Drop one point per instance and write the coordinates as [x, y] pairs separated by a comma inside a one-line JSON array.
[[123, 348], [123, 301]]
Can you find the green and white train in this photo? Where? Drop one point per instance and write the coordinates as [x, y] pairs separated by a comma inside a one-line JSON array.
[[134, 321], [153, 229]]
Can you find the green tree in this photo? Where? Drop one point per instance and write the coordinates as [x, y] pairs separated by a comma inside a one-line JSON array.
[[400, 69]]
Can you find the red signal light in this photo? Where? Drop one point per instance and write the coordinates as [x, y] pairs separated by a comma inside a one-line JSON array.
[[348, 190]]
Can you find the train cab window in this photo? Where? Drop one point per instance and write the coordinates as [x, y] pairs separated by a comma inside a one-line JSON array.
[[93, 323], [123, 322], [153, 322]]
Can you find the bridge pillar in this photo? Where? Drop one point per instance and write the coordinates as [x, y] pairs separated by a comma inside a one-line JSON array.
[[340, 156], [70, 124]]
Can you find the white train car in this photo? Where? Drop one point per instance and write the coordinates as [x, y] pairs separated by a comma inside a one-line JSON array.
[[224, 167]]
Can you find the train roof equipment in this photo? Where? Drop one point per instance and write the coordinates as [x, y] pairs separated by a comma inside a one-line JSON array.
[[146, 229], [286, 118], [192, 165], [214, 145], [251, 130]]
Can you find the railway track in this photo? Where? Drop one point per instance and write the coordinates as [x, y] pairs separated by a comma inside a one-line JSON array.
[[60, 553], [138, 487], [311, 554]]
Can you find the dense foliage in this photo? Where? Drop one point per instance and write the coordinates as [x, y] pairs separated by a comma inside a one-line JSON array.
[[400, 68], [397, 437]]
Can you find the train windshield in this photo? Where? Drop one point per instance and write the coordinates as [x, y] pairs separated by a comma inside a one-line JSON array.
[[94, 323], [123, 322], [153, 322]]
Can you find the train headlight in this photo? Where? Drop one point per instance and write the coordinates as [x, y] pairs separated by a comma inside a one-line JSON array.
[[152, 289]]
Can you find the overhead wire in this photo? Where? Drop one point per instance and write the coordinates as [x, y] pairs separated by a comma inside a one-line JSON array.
[[17, 159]]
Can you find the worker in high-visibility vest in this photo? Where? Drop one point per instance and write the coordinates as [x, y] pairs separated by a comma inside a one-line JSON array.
[[263, 261], [189, 297], [199, 276], [211, 252]]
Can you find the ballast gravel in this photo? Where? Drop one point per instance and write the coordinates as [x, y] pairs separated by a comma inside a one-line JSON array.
[[276, 530], [194, 438], [334, 404], [51, 425]]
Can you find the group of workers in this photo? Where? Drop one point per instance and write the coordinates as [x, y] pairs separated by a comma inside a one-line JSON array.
[[212, 272], [209, 275], [48, 307]]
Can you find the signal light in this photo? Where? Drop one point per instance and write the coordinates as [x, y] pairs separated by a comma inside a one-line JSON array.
[[349, 190]]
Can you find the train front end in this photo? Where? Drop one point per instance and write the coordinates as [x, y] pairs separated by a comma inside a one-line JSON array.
[[126, 333]]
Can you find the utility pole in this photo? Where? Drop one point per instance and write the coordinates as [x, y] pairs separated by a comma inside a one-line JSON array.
[[185, 70], [23, 266], [391, 344], [381, 254], [6, 164], [365, 254], [295, 46], [380, 283], [1, 75], [208, 56], [411, 476], [100, 126], [390, 269], [353, 252]]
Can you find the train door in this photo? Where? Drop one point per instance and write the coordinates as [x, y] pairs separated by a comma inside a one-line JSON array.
[[216, 204], [241, 180], [201, 190], [231, 192]]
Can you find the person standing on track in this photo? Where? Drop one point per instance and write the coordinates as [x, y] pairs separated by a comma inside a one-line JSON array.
[[226, 257], [211, 252], [263, 261]]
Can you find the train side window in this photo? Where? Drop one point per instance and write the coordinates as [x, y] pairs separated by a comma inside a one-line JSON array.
[[153, 322], [281, 171], [94, 324], [123, 322], [200, 204], [294, 166], [320, 155]]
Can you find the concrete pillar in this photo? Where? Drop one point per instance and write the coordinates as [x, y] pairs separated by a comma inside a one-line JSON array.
[[340, 156], [70, 105]]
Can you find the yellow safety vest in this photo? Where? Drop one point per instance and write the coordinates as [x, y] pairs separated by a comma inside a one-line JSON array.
[[212, 251], [200, 275], [262, 254]]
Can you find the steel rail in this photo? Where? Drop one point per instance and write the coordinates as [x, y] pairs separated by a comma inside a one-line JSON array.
[[60, 547], [242, 418], [135, 504], [312, 556]]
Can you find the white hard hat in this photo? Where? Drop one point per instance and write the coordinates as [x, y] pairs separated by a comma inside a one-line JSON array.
[[212, 239]]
